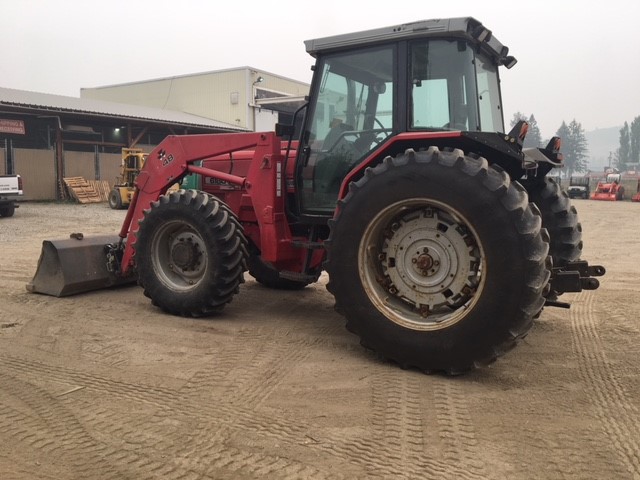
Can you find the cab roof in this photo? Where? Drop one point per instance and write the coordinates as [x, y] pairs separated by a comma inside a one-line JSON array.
[[464, 28]]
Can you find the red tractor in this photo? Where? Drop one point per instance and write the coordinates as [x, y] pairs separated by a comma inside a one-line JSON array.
[[443, 239], [609, 189]]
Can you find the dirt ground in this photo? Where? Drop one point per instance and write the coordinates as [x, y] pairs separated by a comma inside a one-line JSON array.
[[105, 386]]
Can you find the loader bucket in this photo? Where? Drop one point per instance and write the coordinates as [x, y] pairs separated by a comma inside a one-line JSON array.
[[75, 265]]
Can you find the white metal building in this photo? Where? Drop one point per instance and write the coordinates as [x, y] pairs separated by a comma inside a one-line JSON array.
[[245, 97]]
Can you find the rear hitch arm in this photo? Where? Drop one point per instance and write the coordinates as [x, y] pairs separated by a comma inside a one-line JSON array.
[[574, 277]]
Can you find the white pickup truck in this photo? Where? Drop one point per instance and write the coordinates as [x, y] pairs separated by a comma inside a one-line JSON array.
[[10, 190]]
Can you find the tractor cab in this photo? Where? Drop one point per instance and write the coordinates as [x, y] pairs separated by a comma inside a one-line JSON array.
[[431, 76]]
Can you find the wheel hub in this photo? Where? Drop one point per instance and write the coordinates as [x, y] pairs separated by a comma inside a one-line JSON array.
[[423, 263], [429, 261], [186, 256]]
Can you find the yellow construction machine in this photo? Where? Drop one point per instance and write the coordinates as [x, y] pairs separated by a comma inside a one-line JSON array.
[[132, 162]]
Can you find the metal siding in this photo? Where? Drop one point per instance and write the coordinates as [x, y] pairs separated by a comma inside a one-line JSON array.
[[266, 120], [80, 164], [37, 169], [210, 96], [110, 167], [3, 167], [284, 85], [205, 95], [151, 94]]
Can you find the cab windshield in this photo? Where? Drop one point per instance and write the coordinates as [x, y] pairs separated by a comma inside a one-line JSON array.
[[453, 88]]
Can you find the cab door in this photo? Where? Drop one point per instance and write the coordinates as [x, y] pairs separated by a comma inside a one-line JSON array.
[[351, 112]]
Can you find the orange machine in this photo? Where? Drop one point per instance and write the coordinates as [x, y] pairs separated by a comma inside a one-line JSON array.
[[610, 189]]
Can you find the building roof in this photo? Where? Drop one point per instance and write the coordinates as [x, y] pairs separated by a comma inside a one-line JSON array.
[[199, 74], [45, 101]]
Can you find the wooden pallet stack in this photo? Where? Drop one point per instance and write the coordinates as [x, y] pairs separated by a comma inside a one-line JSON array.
[[87, 191]]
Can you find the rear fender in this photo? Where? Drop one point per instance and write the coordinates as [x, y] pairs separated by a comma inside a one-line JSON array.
[[501, 149], [392, 146]]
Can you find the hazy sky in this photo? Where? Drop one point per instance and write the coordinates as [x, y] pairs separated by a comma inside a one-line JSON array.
[[575, 59]]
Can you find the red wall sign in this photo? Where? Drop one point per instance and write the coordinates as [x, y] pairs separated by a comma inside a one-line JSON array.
[[12, 126]]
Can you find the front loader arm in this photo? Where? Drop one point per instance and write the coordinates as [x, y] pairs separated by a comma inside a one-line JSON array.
[[174, 158]]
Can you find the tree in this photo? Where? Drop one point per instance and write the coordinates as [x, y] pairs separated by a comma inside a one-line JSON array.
[[622, 155], [574, 147], [634, 141], [564, 134], [534, 137], [517, 117]]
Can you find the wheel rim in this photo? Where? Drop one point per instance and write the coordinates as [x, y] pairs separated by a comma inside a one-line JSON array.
[[179, 256], [422, 264]]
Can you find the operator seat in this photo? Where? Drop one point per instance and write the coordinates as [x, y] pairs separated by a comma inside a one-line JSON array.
[[334, 135], [335, 158]]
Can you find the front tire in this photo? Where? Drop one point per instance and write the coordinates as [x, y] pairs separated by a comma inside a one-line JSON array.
[[437, 260], [115, 200], [190, 253]]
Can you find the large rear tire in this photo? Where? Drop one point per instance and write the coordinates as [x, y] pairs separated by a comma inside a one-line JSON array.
[[559, 217], [437, 260], [190, 253]]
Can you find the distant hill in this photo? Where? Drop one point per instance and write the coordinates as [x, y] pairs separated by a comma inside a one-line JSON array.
[[602, 142]]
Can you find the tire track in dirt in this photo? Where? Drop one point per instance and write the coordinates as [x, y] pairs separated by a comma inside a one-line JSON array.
[[209, 418], [216, 376], [160, 398], [268, 367], [461, 451], [217, 458], [136, 392], [262, 370], [398, 448], [247, 377], [402, 415], [47, 428], [397, 421], [240, 414], [56, 434], [615, 411], [16, 472], [170, 454], [363, 453], [107, 352], [167, 402]]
